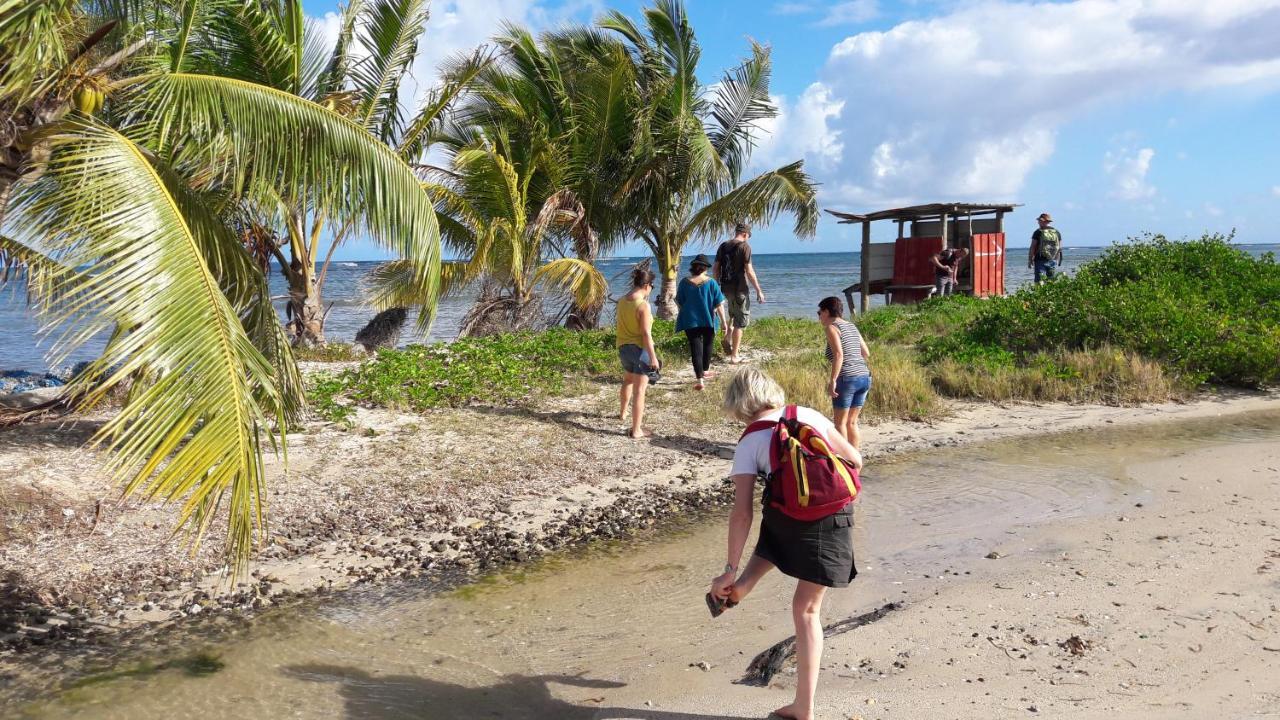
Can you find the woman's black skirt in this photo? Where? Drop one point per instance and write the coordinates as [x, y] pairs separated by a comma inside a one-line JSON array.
[[820, 551]]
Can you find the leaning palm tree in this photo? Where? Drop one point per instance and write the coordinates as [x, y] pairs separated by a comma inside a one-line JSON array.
[[118, 208], [574, 93], [360, 78], [495, 218], [685, 182]]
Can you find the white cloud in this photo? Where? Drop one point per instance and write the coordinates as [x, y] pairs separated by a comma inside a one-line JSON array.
[[1213, 210], [799, 131], [854, 12], [1128, 171], [1275, 190], [967, 104], [792, 8]]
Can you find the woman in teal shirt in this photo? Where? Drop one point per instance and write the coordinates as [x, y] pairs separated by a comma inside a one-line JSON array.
[[701, 305]]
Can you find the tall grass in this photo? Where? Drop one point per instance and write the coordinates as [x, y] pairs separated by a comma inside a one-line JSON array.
[[900, 387], [1105, 375]]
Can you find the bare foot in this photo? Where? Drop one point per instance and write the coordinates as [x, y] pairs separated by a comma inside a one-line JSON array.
[[698, 385], [642, 434], [790, 712], [708, 375]]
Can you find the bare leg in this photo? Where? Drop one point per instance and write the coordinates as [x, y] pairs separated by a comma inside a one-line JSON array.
[[639, 383], [841, 418], [624, 396], [757, 567], [735, 343], [806, 611], [851, 431]]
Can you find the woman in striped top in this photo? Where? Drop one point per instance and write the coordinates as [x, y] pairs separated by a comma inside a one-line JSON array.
[[850, 379]]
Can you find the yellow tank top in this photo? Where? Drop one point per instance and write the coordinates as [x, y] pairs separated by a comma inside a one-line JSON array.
[[630, 331]]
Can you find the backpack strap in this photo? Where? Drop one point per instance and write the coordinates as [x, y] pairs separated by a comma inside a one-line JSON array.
[[789, 413], [758, 425]]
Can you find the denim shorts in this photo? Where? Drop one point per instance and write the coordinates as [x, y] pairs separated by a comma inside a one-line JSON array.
[[635, 359], [852, 391]]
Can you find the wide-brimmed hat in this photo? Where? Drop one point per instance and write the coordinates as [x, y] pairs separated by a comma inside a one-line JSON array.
[[699, 260]]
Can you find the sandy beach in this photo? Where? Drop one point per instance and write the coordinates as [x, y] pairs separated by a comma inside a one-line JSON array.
[[403, 502], [1163, 606]]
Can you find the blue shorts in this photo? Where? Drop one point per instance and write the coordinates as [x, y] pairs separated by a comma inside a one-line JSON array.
[[635, 359], [852, 391]]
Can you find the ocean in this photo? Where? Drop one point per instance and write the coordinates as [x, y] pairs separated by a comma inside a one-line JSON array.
[[793, 285]]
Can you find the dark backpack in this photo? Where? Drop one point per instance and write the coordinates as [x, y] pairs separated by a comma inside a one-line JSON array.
[[809, 480], [730, 266]]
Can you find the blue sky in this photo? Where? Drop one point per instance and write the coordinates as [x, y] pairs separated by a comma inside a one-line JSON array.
[[1117, 116]]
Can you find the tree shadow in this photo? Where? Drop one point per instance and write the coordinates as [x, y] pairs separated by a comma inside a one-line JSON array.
[[67, 432], [595, 424], [516, 697]]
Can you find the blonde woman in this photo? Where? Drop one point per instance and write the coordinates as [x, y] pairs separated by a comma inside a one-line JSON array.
[[818, 554], [635, 347]]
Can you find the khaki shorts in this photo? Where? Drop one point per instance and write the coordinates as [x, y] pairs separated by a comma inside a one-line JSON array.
[[739, 309]]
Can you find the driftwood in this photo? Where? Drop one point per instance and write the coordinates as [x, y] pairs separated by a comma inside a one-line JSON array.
[[768, 663]]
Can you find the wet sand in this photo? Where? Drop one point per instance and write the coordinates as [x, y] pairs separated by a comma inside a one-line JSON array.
[[1157, 551]]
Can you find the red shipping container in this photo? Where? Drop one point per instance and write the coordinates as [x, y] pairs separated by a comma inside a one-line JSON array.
[[988, 264], [912, 266]]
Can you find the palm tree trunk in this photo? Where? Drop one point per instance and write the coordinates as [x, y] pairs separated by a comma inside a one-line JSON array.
[[585, 317], [668, 270], [305, 310]]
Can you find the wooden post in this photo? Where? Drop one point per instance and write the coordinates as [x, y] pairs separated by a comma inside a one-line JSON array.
[[866, 265], [901, 228], [943, 231], [999, 221]]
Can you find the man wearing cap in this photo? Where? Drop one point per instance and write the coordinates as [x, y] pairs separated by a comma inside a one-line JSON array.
[[734, 272], [1046, 249]]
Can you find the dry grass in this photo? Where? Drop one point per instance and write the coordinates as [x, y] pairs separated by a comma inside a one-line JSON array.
[[1105, 375], [900, 387]]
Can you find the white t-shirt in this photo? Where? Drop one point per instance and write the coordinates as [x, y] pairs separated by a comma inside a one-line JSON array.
[[752, 455]]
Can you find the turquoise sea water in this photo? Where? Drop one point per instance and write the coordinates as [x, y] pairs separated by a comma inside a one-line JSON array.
[[793, 285]]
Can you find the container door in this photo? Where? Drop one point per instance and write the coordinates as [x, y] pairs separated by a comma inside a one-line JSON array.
[[988, 264], [911, 266]]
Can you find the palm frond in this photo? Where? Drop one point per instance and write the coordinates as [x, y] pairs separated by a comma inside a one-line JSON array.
[[389, 35], [337, 69], [457, 77], [156, 265], [784, 190], [741, 102], [342, 170], [584, 283], [31, 47]]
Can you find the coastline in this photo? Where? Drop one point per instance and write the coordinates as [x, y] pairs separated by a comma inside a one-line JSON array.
[[103, 571]]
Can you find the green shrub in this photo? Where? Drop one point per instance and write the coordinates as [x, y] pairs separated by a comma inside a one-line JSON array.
[[1206, 310], [900, 386]]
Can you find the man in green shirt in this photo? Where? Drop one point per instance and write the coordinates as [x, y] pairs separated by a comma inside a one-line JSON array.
[[1046, 249]]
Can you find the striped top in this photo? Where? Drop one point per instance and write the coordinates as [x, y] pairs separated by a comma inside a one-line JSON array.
[[851, 345]]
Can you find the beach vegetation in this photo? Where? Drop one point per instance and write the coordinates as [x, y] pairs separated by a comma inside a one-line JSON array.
[[126, 211]]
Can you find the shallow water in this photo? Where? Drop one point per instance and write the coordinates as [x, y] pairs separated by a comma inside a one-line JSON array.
[[552, 640]]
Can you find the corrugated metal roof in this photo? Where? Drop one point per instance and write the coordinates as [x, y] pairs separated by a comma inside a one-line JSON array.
[[916, 212]]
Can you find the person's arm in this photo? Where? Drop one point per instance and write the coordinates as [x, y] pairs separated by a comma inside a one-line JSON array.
[[837, 357], [751, 276], [1031, 251], [1060, 245], [844, 449], [723, 314], [646, 323], [740, 519], [866, 352], [937, 261]]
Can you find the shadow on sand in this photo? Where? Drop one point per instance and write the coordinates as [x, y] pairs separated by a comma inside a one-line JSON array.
[[406, 697]]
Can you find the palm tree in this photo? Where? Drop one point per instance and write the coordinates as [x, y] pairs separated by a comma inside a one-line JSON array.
[[269, 44], [685, 179], [119, 207], [494, 215], [572, 93]]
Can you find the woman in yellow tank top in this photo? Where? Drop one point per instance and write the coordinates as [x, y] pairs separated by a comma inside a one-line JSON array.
[[635, 347]]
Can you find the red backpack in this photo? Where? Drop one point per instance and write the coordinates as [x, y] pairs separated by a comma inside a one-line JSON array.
[[809, 481]]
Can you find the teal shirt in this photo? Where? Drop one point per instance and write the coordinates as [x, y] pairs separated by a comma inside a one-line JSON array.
[[698, 304]]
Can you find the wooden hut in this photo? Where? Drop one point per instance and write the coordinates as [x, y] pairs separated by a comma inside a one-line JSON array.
[[902, 269]]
